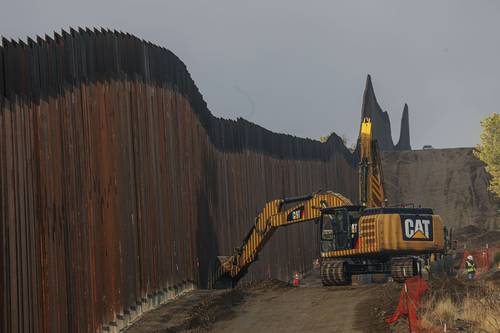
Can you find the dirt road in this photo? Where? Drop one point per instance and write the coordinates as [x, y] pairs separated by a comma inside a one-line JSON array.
[[272, 307], [307, 309]]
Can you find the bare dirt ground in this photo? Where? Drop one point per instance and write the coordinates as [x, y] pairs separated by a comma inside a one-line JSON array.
[[274, 306]]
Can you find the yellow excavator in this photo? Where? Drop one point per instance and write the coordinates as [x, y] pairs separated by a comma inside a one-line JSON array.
[[354, 239]]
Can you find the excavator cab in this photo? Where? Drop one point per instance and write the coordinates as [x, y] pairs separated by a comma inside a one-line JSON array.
[[339, 228]]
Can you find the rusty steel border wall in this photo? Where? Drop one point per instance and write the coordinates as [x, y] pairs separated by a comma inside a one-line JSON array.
[[46, 68], [119, 188]]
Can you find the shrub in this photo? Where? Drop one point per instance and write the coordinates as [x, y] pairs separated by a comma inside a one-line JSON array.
[[479, 307]]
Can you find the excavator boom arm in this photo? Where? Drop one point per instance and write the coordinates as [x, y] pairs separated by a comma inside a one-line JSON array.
[[277, 213]]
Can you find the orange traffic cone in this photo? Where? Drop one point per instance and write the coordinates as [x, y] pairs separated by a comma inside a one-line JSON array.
[[296, 280]]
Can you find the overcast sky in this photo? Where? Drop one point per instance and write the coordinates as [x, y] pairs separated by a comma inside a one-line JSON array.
[[300, 67]]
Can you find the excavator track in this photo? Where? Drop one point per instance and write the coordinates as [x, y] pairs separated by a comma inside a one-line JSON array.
[[403, 268], [334, 273]]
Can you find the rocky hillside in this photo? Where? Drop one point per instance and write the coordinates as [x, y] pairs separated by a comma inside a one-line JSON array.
[[381, 122], [452, 181]]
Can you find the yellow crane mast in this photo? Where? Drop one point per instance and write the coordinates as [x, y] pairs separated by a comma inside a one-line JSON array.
[[371, 189]]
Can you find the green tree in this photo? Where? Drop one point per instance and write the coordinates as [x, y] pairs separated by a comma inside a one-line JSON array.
[[325, 138], [488, 150], [343, 137]]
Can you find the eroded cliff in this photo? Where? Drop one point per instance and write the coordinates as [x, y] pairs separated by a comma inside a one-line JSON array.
[[452, 181]]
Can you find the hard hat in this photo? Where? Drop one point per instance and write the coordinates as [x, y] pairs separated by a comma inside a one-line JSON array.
[[470, 257]]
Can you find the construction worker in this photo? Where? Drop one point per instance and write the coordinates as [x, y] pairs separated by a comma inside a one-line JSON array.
[[471, 267]]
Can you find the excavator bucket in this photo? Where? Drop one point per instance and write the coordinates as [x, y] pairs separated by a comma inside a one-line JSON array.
[[222, 278], [223, 259]]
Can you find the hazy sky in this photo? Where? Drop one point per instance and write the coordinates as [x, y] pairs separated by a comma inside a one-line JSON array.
[[299, 67]]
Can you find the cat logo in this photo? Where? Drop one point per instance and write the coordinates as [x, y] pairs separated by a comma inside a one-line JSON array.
[[296, 214], [416, 228]]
